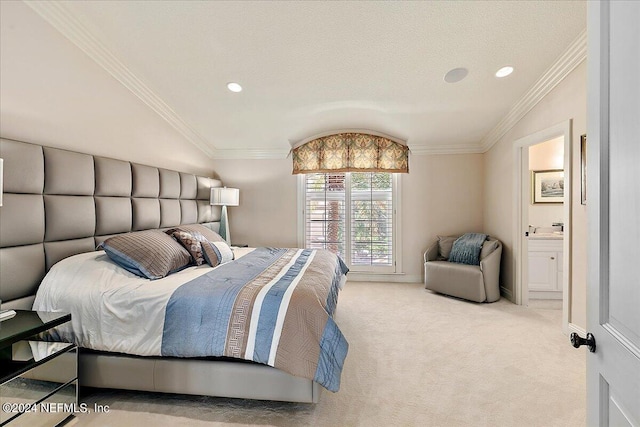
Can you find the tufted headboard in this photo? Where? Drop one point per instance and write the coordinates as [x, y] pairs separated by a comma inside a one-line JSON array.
[[59, 203]]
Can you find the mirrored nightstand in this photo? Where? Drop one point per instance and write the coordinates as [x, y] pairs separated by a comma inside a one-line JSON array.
[[38, 378]]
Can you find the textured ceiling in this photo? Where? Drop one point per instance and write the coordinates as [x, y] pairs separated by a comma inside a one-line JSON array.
[[313, 67]]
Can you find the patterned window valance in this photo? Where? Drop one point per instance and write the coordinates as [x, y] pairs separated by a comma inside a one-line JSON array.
[[351, 152]]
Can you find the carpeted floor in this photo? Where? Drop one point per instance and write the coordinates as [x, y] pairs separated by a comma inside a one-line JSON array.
[[415, 359]]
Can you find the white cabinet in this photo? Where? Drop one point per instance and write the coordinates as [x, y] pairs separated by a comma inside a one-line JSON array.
[[545, 269]]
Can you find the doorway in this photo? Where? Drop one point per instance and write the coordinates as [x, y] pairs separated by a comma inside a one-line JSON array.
[[544, 171], [551, 260]]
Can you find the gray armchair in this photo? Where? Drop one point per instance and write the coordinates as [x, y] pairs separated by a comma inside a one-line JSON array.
[[478, 283]]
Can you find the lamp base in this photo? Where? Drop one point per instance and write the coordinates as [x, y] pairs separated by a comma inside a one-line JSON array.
[[224, 226]]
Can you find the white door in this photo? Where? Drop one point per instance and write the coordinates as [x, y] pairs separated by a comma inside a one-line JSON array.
[[613, 199]]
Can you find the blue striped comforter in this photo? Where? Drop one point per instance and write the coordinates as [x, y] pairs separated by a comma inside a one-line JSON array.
[[272, 306]]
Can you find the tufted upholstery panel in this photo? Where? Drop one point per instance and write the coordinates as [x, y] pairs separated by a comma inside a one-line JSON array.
[[23, 167], [188, 186], [23, 267], [188, 211], [113, 215], [69, 217], [169, 184], [59, 203], [146, 181], [56, 251], [66, 172], [204, 211], [146, 213], [22, 219], [113, 177], [170, 213]]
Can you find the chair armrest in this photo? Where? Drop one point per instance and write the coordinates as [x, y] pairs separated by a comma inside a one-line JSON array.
[[490, 267], [432, 252]]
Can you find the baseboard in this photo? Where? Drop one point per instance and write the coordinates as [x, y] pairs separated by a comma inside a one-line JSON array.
[[557, 295], [507, 294], [394, 278], [577, 329]]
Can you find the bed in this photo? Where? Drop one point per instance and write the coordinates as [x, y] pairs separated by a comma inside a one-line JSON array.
[[59, 205]]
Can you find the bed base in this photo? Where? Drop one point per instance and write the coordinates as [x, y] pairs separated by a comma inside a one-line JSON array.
[[194, 376]]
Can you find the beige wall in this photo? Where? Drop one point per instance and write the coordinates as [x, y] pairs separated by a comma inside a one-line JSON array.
[[566, 101], [266, 215], [55, 95], [442, 194], [548, 155]]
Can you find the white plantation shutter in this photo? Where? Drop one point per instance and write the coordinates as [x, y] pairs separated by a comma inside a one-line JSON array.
[[371, 219], [352, 215], [325, 212]]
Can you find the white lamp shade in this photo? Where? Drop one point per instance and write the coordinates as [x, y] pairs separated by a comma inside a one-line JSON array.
[[225, 196]]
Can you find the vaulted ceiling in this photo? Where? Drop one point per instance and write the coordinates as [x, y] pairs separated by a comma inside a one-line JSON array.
[[306, 68]]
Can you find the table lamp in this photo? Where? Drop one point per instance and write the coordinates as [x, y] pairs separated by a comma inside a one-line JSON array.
[[223, 196]]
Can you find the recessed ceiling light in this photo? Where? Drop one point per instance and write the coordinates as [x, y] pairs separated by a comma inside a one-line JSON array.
[[455, 75], [234, 87], [504, 71]]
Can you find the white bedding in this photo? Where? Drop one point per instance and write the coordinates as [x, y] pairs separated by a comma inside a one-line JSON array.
[[79, 284]]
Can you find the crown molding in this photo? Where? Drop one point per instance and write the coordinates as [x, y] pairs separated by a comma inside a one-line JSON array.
[[70, 26], [248, 154], [565, 64], [445, 149]]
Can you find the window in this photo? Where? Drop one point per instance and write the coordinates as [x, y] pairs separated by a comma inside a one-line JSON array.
[[352, 214]]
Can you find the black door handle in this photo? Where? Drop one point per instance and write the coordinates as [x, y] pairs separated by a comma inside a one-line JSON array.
[[590, 341]]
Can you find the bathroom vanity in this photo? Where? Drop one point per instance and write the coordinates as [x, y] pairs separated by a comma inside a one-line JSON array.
[[545, 265]]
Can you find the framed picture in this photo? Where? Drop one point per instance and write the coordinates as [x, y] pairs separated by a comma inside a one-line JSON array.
[[583, 169], [547, 186]]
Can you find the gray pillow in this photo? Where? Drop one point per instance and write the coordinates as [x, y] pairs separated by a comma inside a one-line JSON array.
[[487, 248], [150, 253], [445, 243]]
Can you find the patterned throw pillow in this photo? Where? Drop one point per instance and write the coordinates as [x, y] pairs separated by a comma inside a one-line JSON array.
[[192, 242], [217, 253], [149, 253], [208, 233]]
